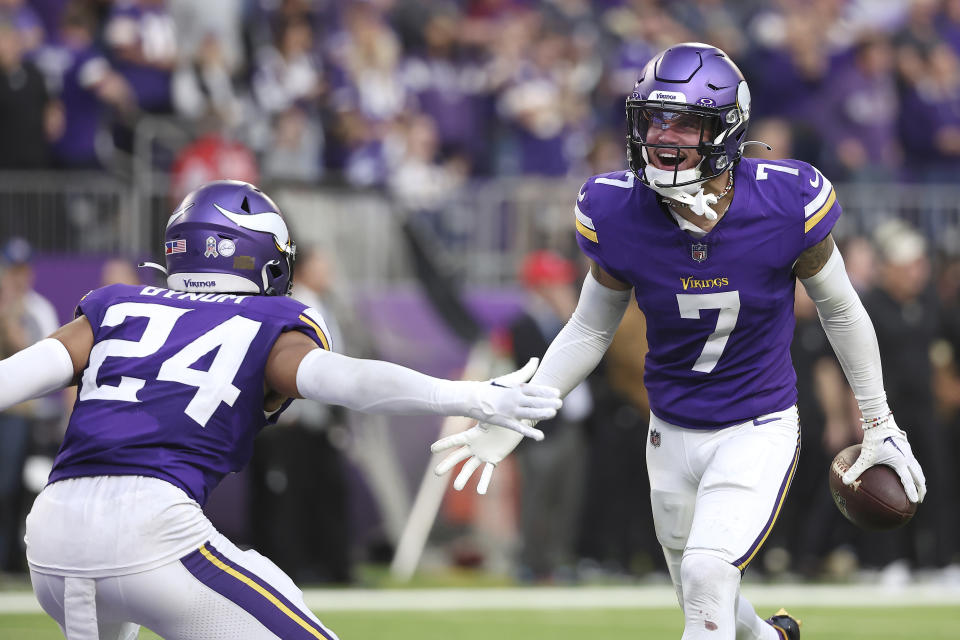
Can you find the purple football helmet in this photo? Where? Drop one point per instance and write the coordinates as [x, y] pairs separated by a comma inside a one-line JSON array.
[[229, 237], [689, 80]]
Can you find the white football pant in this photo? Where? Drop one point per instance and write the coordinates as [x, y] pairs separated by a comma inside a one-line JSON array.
[[715, 497], [216, 592]]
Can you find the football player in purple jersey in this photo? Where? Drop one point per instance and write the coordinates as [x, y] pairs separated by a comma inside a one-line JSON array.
[[174, 384], [711, 244]]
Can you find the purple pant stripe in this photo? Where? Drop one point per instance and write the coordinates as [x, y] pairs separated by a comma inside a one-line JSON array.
[[742, 562], [253, 594]]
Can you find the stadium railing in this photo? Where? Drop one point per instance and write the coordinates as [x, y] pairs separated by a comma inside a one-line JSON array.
[[480, 233]]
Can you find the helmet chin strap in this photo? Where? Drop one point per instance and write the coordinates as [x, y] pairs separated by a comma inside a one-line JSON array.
[[691, 195], [699, 203]]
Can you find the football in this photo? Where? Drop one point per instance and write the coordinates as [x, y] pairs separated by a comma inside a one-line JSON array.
[[876, 501]]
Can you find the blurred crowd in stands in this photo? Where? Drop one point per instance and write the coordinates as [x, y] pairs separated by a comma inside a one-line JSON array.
[[423, 95], [418, 98]]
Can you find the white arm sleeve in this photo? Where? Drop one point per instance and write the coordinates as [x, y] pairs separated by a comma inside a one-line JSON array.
[[37, 370], [375, 386], [851, 334], [580, 345]]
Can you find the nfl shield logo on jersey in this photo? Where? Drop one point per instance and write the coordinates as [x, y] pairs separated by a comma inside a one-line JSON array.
[[654, 438], [698, 251]]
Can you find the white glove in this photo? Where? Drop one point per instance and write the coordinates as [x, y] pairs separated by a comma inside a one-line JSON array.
[[885, 443], [510, 401], [490, 443], [483, 443]]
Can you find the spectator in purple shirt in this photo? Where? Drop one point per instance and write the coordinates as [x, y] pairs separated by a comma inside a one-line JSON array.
[[452, 89], [142, 38], [641, 31], [366, 54], [949, 24], [366, 93], [50, 13], [792, 71], [544, 111], [860, 127], [88, 88], [930, 119]]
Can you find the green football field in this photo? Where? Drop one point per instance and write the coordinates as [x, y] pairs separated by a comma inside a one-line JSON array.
[[819, 623]]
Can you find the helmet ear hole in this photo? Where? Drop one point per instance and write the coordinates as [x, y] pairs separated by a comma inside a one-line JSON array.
[[245, 205], [275, 271]]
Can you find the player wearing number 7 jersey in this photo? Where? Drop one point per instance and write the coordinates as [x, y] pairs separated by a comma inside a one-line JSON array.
[[174, 384], [712, 246]]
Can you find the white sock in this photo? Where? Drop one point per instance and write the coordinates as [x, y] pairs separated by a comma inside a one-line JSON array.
[[750, 626]]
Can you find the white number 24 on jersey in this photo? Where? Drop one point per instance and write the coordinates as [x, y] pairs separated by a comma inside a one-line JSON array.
[[213, 386]]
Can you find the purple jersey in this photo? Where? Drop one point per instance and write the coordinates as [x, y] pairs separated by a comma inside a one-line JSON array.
[[83, 110], [174, 386], [719, 309]]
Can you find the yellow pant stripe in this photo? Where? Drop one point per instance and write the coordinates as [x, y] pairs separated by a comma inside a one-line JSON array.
[[263, 592]]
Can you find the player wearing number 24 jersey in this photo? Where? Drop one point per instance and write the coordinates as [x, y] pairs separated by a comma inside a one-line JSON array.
[[206, 372], [712, 245], [174, 384]]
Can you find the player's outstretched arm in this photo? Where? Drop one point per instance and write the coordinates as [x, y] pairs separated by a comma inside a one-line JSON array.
[[572, 355], [851, 333], [297, 368], [49, 365]]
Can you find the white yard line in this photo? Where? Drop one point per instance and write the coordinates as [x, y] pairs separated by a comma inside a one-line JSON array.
[[644, 597]]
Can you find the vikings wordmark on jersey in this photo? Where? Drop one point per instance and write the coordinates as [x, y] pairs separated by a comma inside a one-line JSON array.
[[719, 309], [132, 416]]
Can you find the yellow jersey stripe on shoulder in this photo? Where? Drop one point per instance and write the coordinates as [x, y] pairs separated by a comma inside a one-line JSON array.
[[583, 218], [585, 225], [818, 216], [822, 195], [263, 592], [313, 325], [589, 234]]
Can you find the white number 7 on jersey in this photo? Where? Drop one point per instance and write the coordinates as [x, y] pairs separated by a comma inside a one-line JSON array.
[[729, 304]]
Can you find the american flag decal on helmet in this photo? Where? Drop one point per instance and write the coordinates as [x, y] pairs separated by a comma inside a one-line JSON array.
[[175, 246]]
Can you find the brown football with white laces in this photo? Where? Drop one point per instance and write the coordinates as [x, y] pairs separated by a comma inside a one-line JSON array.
[[876, 501]]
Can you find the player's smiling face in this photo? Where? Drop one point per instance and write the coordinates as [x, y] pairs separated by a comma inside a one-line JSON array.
[[671, 128]]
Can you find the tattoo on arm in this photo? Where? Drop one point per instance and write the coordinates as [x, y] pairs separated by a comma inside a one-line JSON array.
[[812, 260]]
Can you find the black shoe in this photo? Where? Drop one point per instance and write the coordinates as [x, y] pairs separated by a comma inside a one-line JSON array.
[[786, 625]]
